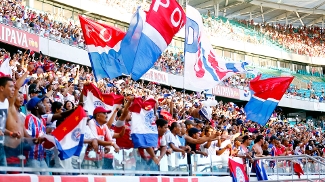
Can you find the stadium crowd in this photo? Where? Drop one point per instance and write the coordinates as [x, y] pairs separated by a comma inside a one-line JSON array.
[[300, 40], [29, 109], [53, 91]]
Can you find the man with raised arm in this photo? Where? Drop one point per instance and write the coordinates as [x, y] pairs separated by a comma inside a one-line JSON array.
[[15, 122]]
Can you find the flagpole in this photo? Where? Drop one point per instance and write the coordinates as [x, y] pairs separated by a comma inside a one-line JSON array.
[[189, 162], [186, 1]]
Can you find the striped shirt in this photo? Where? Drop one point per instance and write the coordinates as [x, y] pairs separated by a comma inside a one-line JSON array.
[[36, 127]]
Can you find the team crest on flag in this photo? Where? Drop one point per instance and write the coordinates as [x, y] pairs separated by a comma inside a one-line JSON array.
[[99, 104], [150, 120], [76, 134]]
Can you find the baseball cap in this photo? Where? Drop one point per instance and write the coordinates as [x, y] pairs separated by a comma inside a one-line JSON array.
[[32, 103], [197, 121], [193, 131], [189, 122], [101, 110]]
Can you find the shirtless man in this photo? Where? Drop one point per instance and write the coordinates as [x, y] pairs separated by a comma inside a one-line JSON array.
[[15, 120], [257, 147]]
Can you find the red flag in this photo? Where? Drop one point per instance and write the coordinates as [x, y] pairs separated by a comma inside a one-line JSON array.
[[297, 168], [167, 116]]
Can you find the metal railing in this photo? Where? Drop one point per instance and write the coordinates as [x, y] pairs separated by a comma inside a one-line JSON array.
[[313, 167]]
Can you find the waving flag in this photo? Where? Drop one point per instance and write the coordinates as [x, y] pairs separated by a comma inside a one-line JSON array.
[[259, 169], [103, 43], [267, 95], [144, 131], [5, 69], [149, 34], [94, 98], [203, 69], [237, 170], [68, 137], [167, 116]]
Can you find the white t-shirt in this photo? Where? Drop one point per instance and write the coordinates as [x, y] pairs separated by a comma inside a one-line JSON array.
[[171, 138], [212, 149], [3, 117], [172, 159]]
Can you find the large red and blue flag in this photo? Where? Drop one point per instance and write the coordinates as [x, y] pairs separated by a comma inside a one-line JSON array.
[[149, 34], [267, 95], [203, 69], [68, 137], [103, 44]]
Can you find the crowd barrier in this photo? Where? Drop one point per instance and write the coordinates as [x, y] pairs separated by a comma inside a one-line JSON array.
[[129, 163], [90, 178]]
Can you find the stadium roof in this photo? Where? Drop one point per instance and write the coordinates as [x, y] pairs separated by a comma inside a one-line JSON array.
[[296, 12]]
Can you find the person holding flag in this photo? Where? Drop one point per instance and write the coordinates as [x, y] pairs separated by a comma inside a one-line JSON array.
[[148, 155], [123, 120], [35, 124]]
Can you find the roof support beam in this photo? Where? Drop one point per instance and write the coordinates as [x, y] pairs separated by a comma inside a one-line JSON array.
[[299, 18], [320, 19], [302, 23], [264, 13], [230, 6], [225, 10], [279, 17], [242, 11], [321, 4]]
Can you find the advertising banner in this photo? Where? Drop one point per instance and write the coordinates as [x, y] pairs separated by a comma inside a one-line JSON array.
[[156, 76], [226, 92], [19, 38]]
